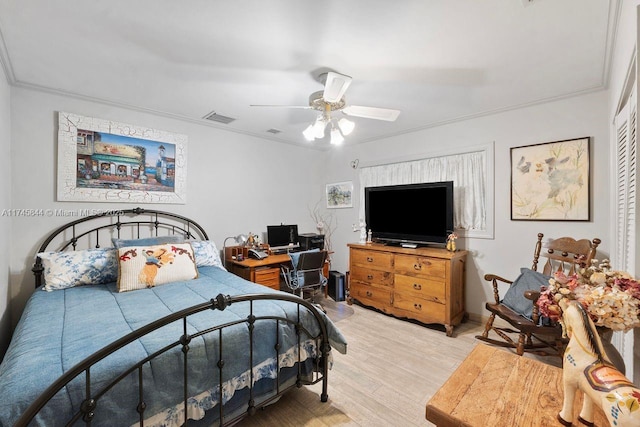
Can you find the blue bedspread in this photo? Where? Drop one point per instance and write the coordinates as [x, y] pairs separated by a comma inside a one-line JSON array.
[[59, 329]]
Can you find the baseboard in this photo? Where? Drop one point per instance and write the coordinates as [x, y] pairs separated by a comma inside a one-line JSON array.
[[482, 319]]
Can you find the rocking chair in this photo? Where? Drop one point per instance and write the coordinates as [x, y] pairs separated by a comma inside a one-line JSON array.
[[518, 308]]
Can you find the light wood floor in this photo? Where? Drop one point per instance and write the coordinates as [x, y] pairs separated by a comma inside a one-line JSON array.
[[391, 369]]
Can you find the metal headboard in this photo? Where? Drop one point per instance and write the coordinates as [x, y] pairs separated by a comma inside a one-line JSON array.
[[139, 222]]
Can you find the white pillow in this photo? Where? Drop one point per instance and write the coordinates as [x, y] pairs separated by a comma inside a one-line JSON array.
[[147, 266], [206, 253], [73, 268]]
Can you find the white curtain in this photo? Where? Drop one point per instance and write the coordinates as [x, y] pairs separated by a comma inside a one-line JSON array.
[[467, 171]]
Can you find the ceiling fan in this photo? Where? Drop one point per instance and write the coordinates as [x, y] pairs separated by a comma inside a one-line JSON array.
[[330, 100]]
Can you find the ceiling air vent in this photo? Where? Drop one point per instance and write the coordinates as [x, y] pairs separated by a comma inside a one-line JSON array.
[[219, 118], [274, 131]]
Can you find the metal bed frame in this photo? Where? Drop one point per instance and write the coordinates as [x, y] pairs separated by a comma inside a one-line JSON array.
[[155, 222]]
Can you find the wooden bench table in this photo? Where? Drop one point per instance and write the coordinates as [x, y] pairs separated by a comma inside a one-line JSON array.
[[494, 387]]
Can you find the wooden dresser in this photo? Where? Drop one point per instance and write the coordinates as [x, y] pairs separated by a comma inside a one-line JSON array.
[[425, 284]]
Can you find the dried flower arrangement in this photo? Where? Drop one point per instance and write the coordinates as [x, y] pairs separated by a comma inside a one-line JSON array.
[[611, 297]]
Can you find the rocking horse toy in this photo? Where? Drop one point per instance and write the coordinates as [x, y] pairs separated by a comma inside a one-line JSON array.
[[587, 367]]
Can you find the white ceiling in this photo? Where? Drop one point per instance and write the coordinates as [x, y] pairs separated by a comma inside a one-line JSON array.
[[435, 60]]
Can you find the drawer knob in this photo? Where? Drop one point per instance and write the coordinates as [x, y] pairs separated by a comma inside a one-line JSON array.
[[369, 259], [417, 267], [370, 276], [417, 286], [417, 306], [369, 294]]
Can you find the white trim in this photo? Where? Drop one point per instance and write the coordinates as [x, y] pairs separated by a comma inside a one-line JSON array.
[[615, 9], [5, 62], [625, 256]]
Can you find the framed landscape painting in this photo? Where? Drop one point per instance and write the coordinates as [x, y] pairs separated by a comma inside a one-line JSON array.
[[340, 195], [550, 181], [106, 161]]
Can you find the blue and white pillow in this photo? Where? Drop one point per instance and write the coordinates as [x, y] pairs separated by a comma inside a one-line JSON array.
[[74, 268], [206, 253]]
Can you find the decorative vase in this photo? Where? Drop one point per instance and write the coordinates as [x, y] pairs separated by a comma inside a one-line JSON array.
[[451, 245]]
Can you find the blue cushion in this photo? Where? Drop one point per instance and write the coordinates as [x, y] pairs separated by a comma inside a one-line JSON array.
[[528, 280], [295, 256]]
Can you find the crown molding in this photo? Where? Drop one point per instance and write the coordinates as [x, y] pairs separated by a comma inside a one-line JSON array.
[[615, 9], [5, 62], [160, 113], [540, 101]]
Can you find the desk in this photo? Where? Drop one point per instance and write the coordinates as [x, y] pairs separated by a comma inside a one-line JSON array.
[[263, 271], [493, 387]]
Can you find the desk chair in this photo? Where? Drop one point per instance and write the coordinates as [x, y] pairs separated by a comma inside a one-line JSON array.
[[305, 272]]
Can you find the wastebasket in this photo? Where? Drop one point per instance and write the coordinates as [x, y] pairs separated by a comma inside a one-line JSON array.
[[336, 285]]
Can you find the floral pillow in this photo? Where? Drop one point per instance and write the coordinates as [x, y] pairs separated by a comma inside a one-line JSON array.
[[206, 253], [148, 241], [147, 266], [73, 268]]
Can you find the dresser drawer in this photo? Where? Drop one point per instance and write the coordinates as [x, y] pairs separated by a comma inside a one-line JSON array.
[[424, 310], [268, 277], [368, 275], [372, 259], [414, 265], [370, 295], [421, 287]]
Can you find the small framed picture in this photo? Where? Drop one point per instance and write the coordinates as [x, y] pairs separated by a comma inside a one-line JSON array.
[[340, 195]]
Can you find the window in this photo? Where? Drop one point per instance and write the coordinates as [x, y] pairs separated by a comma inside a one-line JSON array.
[[471, 171]]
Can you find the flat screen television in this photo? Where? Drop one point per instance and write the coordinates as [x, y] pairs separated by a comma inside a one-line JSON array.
[[410, 214], [282, 236]]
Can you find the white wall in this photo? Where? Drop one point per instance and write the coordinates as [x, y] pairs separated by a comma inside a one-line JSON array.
[[514, 241], [235, 183], [5, 201]]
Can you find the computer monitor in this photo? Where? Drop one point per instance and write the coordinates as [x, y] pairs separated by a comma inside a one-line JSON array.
[[282, 236]]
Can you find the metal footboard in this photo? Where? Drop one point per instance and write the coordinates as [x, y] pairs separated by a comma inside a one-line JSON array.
[[91, 400]]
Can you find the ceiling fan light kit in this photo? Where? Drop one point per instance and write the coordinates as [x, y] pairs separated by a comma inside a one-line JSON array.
[[319, 127], [332, 99], [317, 130], [308, 133], [336, 136], [346, 126]]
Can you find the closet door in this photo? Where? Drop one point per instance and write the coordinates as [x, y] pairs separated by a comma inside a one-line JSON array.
[[625, 245], [626, 176]]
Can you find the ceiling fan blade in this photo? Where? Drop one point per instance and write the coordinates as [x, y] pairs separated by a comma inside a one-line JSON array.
[[335, 86], [371, 112], [305, 107]]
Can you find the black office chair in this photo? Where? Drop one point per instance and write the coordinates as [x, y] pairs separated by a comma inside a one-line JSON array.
[[305, 272]]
